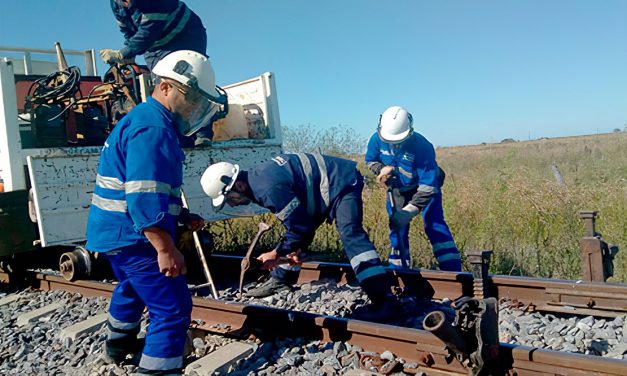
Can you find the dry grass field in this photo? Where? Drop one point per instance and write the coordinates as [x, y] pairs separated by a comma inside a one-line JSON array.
[[502, 197]]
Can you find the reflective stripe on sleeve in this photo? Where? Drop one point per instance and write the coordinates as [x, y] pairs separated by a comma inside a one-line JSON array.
[[146, 186], [427, 188], [408, 174], [108, 204], [109, 183], [288, 209]]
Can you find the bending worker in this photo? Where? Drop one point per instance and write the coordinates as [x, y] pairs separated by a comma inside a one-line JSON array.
[[303, 191], [404, 160], [136, 205]]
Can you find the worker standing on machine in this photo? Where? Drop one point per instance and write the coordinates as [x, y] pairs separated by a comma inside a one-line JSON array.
[[304, 191], [156, 28], [136, 205], [404, 161]]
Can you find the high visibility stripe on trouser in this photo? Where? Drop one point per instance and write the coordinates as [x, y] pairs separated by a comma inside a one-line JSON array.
[[168, 300], [437, 231], [365, 261]]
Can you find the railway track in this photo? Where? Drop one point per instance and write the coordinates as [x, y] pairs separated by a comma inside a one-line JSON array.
[[418, 347]]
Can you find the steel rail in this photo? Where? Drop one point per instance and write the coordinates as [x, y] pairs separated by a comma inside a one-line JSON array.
[[541, 294], [414, 345]]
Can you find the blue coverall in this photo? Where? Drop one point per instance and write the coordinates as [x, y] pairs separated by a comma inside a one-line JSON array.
[[139, 186], [155, 28], [419, 180], [303, 191]]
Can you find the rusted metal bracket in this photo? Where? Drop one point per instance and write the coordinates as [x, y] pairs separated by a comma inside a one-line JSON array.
[[472, 338], [480, 262], [597, 256]]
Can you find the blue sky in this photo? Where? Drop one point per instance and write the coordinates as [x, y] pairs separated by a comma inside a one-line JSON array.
[[469, 71]]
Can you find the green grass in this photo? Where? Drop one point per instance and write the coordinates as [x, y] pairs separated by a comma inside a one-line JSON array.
[[505, 198]]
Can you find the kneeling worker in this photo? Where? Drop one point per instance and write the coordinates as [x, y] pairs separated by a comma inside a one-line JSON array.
[[304, 190]]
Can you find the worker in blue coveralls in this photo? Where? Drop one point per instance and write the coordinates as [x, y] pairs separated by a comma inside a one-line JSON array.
[[136, 205], [304, 191], [404, 161], [155, 28]]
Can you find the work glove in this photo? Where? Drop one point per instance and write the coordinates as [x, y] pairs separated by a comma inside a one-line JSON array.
[[114, 56], [402, 217]]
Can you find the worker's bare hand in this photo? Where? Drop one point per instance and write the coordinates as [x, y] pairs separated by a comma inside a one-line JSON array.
[[294, 258], [269, 260], [171, 262], [385, 174]]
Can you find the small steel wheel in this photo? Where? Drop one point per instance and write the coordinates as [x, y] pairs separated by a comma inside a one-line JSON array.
[[76, 264]]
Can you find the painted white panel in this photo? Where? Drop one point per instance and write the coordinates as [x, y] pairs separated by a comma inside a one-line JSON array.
[[63, 186]]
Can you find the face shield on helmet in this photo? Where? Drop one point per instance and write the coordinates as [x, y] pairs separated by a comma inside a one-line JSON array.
[[193, 76], [200, 109]]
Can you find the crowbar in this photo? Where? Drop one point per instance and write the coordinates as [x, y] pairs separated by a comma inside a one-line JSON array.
[[201, 255], [246, 261]]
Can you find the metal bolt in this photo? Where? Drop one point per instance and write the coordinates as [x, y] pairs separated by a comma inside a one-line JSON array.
[[480, 261]]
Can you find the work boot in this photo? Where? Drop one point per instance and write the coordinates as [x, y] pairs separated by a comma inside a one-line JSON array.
[[269, 287], [117, 355], [378, 312]]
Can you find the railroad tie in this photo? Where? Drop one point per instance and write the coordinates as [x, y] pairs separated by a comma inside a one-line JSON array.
[[9, 299], [28, 317], [90, 325], [220, 360]]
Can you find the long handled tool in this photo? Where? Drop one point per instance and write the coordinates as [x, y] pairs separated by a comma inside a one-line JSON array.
[[393, 204], [247, 260], [201, 256]]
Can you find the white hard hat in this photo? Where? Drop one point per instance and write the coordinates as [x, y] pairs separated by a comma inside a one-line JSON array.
[[217, 181], [395, 125], [193, 70]]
